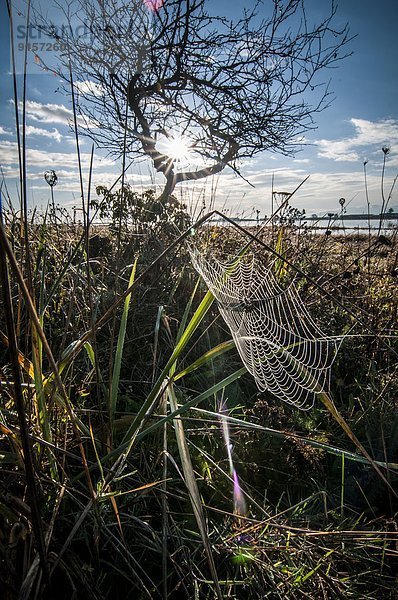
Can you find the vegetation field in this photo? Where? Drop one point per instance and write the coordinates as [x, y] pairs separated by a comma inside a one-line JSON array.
[[139, 459]]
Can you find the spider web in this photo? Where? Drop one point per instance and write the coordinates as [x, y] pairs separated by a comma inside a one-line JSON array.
[[277, 339]]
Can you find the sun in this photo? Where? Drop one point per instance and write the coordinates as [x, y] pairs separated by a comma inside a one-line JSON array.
[[177, 147]]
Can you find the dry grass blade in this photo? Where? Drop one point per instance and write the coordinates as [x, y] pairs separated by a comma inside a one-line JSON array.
[[23, 361], [192, 486], [328, 402], [165, 509]]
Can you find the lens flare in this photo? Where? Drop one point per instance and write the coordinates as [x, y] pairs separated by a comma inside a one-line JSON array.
[[240, 508], [154, 5]]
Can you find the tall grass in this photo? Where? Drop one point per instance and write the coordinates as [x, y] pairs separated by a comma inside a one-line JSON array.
[[105, 497]]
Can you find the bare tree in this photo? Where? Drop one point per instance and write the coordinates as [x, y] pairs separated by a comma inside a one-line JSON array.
[[155, 70]]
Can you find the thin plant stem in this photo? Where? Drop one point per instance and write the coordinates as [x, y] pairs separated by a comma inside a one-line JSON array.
[[369, 227], [79, 162], [118, 259], [342, 485], [89, 283], [24, 192], [386, 151], [15, 92], [165, 526]]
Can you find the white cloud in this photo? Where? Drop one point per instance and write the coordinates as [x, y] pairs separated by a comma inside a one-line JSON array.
[[47, 113], [381, 132], [105, 171], [50, 113], [89, 87], [368, 135], [338, 150], [320, 193], [48, 160], [302, 161], [38, 131]]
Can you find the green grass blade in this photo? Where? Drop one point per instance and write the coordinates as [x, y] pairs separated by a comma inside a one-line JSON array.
[[156, 340], [114, 389], [221, 385], [192, 486], [90, 352], [126, 444], [208, 356], [286, 435], [180, 346], [40, 396], [329, 404]]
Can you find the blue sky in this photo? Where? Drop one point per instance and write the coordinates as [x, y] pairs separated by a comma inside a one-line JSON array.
[[362, 119]]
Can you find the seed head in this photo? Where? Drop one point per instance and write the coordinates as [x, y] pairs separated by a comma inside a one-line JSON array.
[[51, 178]]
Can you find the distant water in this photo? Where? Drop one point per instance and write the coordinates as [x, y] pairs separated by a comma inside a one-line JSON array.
[[352, 225], [346, 224], [353, 221]]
